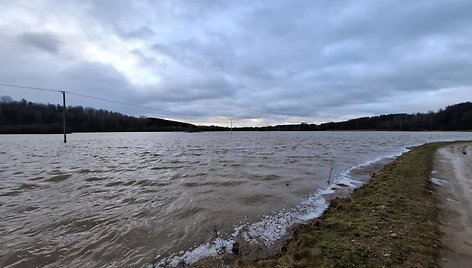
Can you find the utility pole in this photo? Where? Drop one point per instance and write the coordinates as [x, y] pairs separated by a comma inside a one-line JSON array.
[[231, 126], [64, 114]]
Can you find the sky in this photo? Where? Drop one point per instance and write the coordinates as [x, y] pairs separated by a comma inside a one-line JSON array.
[[255, 62]]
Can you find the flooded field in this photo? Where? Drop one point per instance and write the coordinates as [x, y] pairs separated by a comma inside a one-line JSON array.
[[122, 199]]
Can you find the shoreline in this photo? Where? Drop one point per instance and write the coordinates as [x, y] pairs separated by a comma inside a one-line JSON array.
[[266, 237], [392, 220]]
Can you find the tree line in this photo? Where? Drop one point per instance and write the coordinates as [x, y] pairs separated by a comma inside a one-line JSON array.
[[27, 117], [451, 118]]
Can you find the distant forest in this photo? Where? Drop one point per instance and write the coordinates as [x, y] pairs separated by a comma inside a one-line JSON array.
[[453, 117], [28, 118]]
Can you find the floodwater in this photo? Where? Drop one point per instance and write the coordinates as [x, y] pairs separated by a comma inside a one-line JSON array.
[[124, 199]]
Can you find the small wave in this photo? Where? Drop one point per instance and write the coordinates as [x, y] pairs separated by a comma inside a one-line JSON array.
[[28, 186], [76, 225], [96, 178], [193, 184], [113, 184], [145, 183], [11, 193], [292, 161], [86, 171], [257, 199], [176, 162], [36, 178], [59, 178], [228, 183], [213, 183], [132, 200], [166, 167], [129, 182], [149, 191], [187, 213], [271, 177], [23, 209]]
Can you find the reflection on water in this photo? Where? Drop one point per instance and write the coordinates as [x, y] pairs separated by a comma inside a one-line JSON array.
[[119, 199]]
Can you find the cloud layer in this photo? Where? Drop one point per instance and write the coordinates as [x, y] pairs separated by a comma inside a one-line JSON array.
[[253, 61]]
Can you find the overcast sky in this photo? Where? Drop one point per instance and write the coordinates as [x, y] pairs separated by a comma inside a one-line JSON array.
[[253, 61]]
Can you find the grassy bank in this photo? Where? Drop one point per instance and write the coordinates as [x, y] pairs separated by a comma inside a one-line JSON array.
[[391, 221]]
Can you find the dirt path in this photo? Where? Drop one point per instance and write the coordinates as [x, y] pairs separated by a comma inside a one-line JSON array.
[[453, 176]]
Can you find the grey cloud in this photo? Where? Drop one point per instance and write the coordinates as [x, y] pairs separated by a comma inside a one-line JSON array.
[[147, 60], [92, 76], [391, 20], [215, 54], [279, 59], [215, 87], [43, 41], [141, 33]]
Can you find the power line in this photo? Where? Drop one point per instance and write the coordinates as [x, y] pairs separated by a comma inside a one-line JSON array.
[[112, 101], [27, 87], [80, 95]]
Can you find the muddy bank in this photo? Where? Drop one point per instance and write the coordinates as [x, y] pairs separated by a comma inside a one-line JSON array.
[[452, 176]]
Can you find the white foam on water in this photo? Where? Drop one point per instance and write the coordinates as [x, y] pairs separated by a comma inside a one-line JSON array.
[[438, 182], [215, 248], [271, 228], [237, 229]]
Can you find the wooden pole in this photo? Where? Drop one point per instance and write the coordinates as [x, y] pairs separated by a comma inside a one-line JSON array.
[[64, 114]]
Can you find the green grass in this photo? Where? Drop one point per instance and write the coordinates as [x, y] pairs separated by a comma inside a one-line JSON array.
[[392, 221]]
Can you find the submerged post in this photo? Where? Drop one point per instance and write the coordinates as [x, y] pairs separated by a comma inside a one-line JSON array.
[[64, 114]]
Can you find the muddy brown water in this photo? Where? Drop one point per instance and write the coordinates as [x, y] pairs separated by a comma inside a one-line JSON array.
[[121, 199]]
